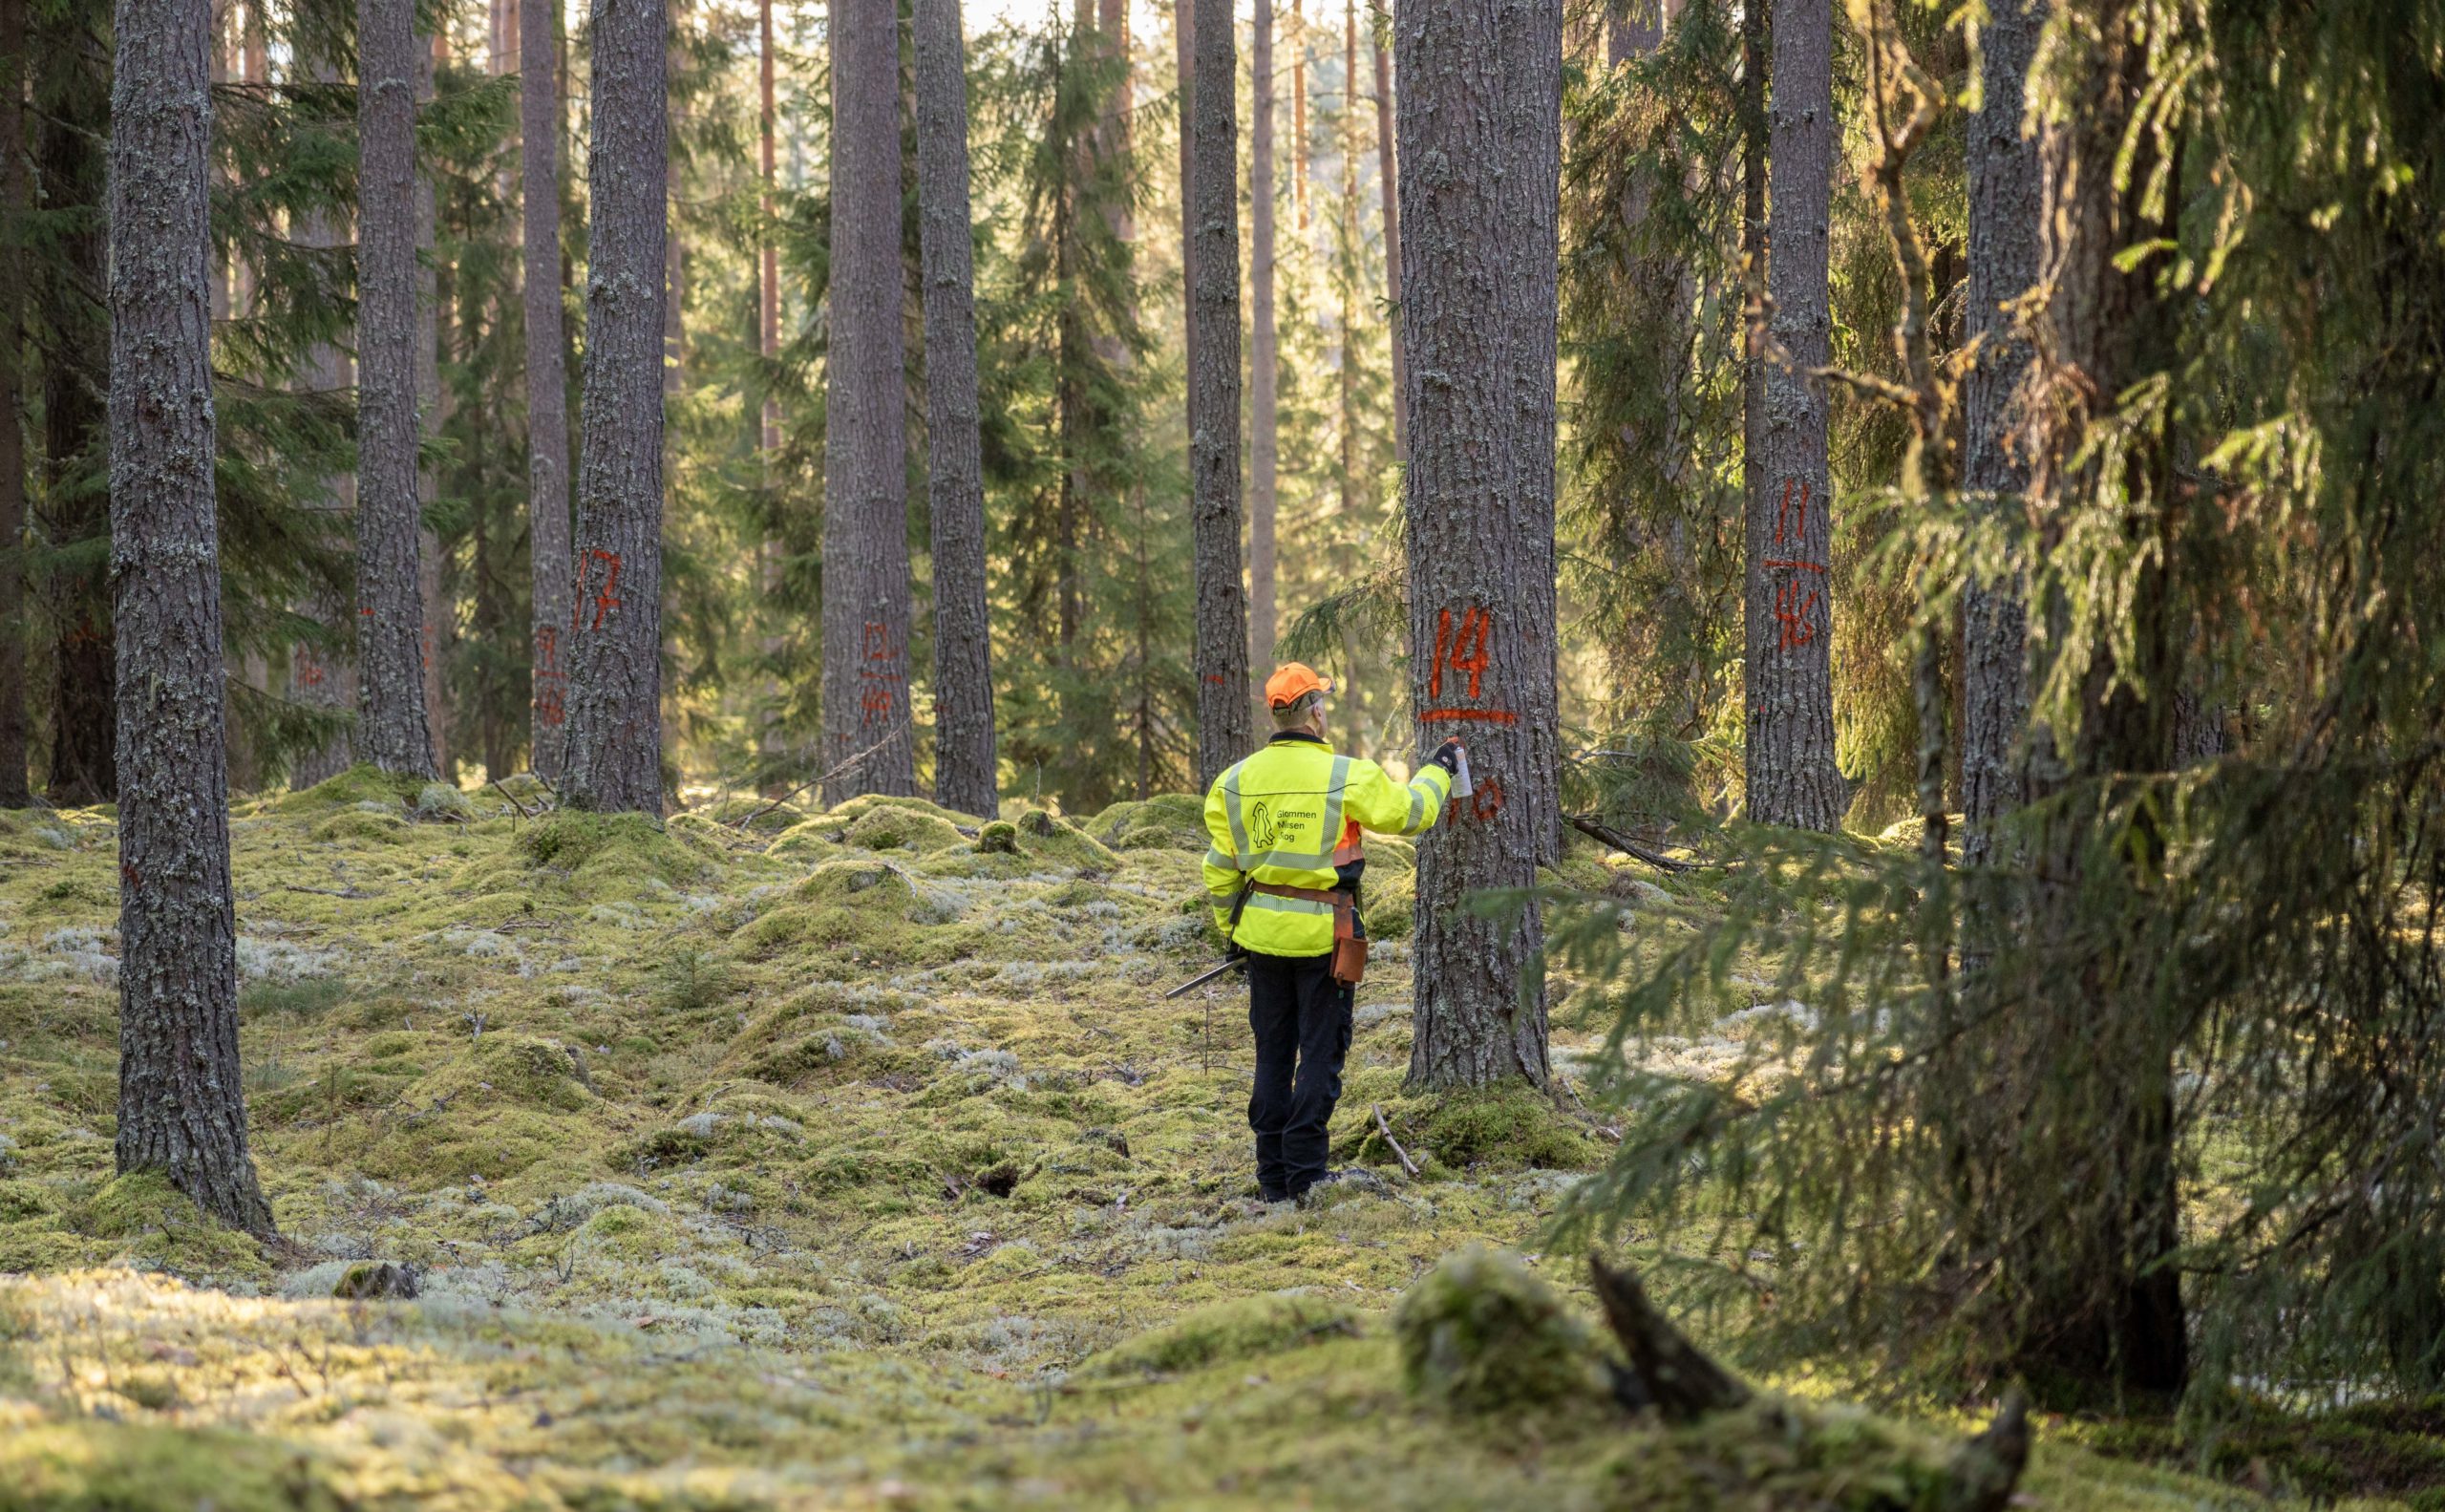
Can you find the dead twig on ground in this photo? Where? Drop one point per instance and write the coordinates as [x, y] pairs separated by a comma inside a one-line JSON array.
[[1386, 1130]]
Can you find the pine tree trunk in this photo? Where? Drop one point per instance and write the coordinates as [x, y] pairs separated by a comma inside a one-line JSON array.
[[71, 122], [1221, 665], [966, 771], [1265, 411], [438, 621], [180, 1108], [548, 387], [1792, 777], [1184, 54], [1299, 111], [865, 515], [769, 257], [1391, 187], [614, 759], [14, 59], [323, 679], [1350, 261], [1482, 136], [2004, 213], [390, 730]]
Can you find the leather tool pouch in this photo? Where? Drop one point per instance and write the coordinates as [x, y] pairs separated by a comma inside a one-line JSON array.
[[1349, 951], [1349, 948]]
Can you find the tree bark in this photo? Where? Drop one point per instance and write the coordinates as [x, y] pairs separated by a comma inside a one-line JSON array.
[[865, 515], [437, 620], [325, 680], [1264, 412], [1184, 54], [2004, 208], [15, 61], [966, 771], [1480, 131], [1791, 777], [1222, 652], [1391, 187], [392, 731], [548, 387], [2105, 1302], [769, 253], [181, 1110], [71, 122], [614, 759], [1299, 111]]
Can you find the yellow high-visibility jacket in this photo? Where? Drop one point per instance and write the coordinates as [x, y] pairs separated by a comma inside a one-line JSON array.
[[1291, 815]]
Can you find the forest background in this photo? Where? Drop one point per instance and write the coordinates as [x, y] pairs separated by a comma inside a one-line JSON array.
[[1076, 188]]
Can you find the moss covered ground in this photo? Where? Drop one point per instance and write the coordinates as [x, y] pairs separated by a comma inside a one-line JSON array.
[[778, 1158]]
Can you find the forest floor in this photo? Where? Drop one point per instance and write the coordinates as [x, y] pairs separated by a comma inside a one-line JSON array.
[[834, 1161]]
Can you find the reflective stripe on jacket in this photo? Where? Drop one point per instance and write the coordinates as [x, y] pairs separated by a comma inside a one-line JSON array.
[[1291, 815]]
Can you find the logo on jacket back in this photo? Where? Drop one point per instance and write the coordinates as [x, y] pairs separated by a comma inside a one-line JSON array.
[[1262, 829]]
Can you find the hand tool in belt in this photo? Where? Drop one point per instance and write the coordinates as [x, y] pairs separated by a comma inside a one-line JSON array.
[[1350, 951]]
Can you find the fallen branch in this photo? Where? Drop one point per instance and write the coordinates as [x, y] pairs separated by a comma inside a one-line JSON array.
[[1386, 1130], [847, 762], [507, 794], [1605, 834], [1666, 1372]]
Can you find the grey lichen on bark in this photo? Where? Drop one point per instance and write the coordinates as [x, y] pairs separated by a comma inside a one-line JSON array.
[[614, 753], [181, 1107], [1480, 144], [965, 774]]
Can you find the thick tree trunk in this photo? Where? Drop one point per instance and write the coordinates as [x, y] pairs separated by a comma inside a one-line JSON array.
[[437, 620], [1264, 412], [14, 59], [548, 387], [71, 122], [181, 1110], [1222, 659], [1482, 134], [966, 766], [865, 515], [614, 758], [2004, 208], [2099, 1297], [1185, 55], [325, 679], [392, 731], [1391, 187], [1792, 777]]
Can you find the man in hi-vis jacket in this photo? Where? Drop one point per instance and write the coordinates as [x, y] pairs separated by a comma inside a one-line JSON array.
[[1283, 873]]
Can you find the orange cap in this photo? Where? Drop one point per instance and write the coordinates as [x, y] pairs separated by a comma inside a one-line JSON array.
[[1293, 682]]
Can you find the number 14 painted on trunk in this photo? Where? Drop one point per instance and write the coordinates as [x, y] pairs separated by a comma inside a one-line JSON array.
[[1464, 653]]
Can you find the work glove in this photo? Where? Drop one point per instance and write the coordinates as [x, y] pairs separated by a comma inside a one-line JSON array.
[[1447, 755]]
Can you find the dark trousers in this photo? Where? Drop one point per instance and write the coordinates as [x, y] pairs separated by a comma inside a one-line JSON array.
[[1301, 1017]]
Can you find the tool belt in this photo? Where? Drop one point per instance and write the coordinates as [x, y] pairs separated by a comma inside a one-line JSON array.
[[1349, 948]]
